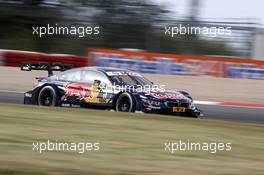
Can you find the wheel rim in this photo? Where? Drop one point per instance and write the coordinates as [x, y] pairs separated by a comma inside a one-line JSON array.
[[124, 105], [46, 98]]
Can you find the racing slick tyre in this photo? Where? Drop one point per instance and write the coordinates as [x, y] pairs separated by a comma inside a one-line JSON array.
[[47, 96], [196, 114], [125, 103]]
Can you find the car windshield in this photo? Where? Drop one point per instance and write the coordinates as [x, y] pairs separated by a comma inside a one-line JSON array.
[[130, 79]]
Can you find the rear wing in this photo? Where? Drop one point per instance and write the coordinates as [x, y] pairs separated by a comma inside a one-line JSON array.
[[46, 66]]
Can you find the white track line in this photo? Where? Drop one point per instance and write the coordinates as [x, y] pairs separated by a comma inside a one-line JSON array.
[[8, 91], [206, 102]]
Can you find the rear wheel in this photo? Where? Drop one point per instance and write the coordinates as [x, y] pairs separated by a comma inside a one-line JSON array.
[[125, 103], [47, 96]]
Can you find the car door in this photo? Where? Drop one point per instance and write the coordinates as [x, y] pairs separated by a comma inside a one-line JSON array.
[[101, 91], [75, 90]]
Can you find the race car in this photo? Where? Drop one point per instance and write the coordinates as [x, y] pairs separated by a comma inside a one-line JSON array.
[[105, 88]]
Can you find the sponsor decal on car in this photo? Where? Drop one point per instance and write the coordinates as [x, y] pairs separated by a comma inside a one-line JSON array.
[[78, 90], [123, 73], [166, 96], [85, 92]]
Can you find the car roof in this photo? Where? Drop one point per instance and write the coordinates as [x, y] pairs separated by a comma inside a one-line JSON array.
[[104, 69]]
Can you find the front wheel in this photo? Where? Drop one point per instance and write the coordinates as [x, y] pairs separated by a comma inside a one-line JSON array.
[[196, 114], [47, 96], [125, 103]]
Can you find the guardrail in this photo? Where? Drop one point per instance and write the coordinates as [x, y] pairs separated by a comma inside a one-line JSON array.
[[246, 73]]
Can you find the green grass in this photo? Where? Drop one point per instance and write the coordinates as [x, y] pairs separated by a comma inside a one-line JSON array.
[[129, 143]]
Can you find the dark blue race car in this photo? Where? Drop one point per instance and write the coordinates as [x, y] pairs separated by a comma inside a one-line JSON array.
[[105, 88]]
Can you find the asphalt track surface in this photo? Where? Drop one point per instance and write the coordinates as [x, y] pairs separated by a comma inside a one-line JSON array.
[[237, 114]]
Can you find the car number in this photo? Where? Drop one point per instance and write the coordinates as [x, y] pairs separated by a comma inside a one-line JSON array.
[[178, 109]]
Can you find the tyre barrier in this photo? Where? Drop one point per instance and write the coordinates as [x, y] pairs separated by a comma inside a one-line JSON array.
[[15, 58]]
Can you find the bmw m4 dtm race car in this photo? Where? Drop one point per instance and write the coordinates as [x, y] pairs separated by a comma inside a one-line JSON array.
[[105, 88]]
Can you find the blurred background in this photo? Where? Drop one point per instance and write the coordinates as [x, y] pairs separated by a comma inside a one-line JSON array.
[[135, 24]]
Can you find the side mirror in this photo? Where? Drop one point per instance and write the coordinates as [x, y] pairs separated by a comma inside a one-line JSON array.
[[25, 67]]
